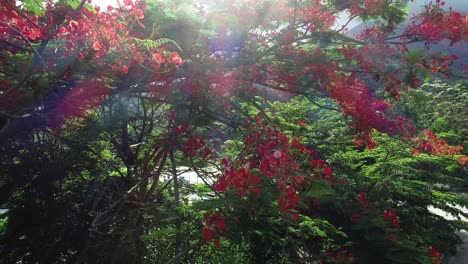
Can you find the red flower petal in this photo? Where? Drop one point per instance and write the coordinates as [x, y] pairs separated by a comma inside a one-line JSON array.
[[220, 224], [302, 124], [254, 179], [97, 45], [217, 243], [298, 179], [207, 235]]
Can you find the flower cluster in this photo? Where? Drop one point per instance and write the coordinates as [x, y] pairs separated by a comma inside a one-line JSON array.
[[213, 228], [324, 170], [17, 28], [102, 34], [193, 145], [65, 38], [434, 25], [392, 217], [370, 7], [367, 111], [222, 83], [85, 95], [273, 156], [364, 202], [435, 255], [241, 180], [317, 17], [429, 143]]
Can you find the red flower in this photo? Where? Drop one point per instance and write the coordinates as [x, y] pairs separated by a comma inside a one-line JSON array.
[[317, 163], [429, 143], [128, 2], [298, 179], [302, 124], [266, 166], [436, 255], [257, 191], [207, 234], [97, 45], [221, 185], [176, 60], [295, 215], [140, 14], [288, 201], [213, 228], [125, 69], [44, 33], [391, 216], [363, 198], [216, 243], [159, 59], [254, 179], [364, 201]]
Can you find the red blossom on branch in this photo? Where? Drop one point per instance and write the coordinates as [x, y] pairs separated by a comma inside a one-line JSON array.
[[429, 143], [435, 255], [274, 155], [392, 217], [194, 145], [302, 124], [85, 96], [434, 25], [364, 201], [213, 228]]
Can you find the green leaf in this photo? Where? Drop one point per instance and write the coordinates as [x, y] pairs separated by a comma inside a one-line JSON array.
[[159, 233], [74, 3], [319, 188], [153, 44], [416, 55], [35, 6]]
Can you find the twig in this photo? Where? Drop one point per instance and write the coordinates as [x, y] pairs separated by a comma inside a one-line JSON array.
[[177, 257]]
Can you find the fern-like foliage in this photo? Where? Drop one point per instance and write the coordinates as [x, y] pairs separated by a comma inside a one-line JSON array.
[[34, 6], [153, 44], [73, 3]]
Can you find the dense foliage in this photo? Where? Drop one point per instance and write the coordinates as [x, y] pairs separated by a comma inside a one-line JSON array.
[[311, 143]]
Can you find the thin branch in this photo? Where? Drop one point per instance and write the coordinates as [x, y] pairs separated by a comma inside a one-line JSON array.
[[177, 201], [158, 172], [14, 116], [177, 257], [346, 24], [194, 168], [14, 45], [78, 9], [32, 49]]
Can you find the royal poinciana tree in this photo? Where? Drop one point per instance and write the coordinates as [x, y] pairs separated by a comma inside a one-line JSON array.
[[107, 103]]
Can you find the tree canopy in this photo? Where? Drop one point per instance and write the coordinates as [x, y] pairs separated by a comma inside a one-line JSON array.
[[314, 142]]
